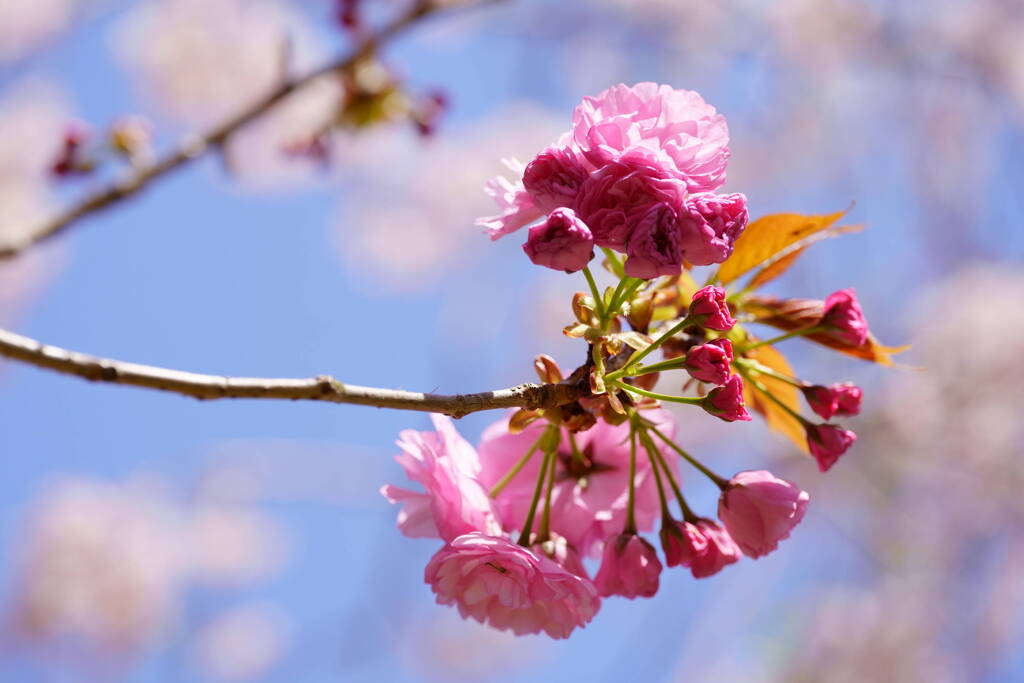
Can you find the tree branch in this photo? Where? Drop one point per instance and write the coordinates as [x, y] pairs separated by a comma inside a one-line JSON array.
[[194, 146], [321, 388]]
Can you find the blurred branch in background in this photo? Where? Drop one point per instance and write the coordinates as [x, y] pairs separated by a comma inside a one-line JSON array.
[[195, 146], [321, 388]]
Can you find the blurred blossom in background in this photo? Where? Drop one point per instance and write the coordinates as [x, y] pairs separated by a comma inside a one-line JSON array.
[[149, 537]]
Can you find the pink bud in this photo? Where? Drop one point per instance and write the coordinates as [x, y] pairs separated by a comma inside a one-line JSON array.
[[554, 177], [726, 402], [844, 319], [709, 306], [838, 399], [827, 442], [562, 242], [682, 543], [709, 225], [630, 568], [721, 550], [759, 510], [710, 362]]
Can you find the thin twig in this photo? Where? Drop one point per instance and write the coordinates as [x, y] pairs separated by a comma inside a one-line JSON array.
[[320, 388], [194, 146]]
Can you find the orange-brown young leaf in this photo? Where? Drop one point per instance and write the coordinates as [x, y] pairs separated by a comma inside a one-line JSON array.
[[777, 418], [781, 262], [769, 235]]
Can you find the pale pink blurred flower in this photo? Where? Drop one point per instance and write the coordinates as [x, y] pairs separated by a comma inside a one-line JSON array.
[[101, 563], [760, 509], [710, 362], [843, 318], [588, 504], [25, 26], [243, 643], [562, 242], [726, 402], [676, 129], [232, 544], [710, 309], [827, 442], [630, 567], [709, 225], [497, 582], [448, 467]]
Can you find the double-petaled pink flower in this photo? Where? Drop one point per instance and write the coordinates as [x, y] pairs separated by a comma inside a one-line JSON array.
[[843, 318], [554, 178], [562, 242], [760, 509], [512, 588], [709, 224], [726, 402], [827, 442], [630, 567], [841, 399], [710, 362], [676, 129]]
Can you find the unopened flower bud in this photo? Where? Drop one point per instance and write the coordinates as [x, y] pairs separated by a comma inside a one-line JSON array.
[[759, 510], [838, 399], [710, 362], [562, 242], [827, 442], [682, 543], [630, 568], [726, 402], [843, 318], [710, 310]]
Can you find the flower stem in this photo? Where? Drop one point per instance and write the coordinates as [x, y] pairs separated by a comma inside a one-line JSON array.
[[577, 454], [781, 337], [762, 369], [624, 292], [690, 400], [614, 261], [719, 481], [670, 364], [651, 450], [630, 515], [640, 355], [775, 399], [517, 468], [524, 537], [598, 301], [545, 518]]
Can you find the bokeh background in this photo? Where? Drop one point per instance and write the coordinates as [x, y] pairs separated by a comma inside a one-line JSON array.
[[149, 537]]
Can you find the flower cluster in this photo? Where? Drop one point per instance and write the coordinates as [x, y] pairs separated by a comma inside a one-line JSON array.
[[550, 489], [638, 173]]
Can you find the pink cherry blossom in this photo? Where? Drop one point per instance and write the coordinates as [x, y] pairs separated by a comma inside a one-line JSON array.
[[448, 468], [510, 587], [710, 310], [709, 225], [721, 551], [838, 399], [653, 248], [620, 194], [675, 129], [760, 509], [630, 567], [710, 362], [726, 402], [827, 442], [844, 319], [588, 503], [516, 207], [554, 177], [682, 543], [562, 242]]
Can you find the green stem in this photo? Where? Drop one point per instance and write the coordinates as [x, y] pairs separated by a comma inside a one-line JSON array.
[[621, 297], [524, 537], [630, 516], [651, 450], [614, 261], [719, 481], [577, 454], [688, 514], [598, 301], [517, 468], [775, 399], [660, 366], [694, 401], [545, 518], [765, 370], [640, 355], [781, 337]]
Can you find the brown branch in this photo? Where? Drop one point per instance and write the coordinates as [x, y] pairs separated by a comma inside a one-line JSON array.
[[321, 388], [195, 146]]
